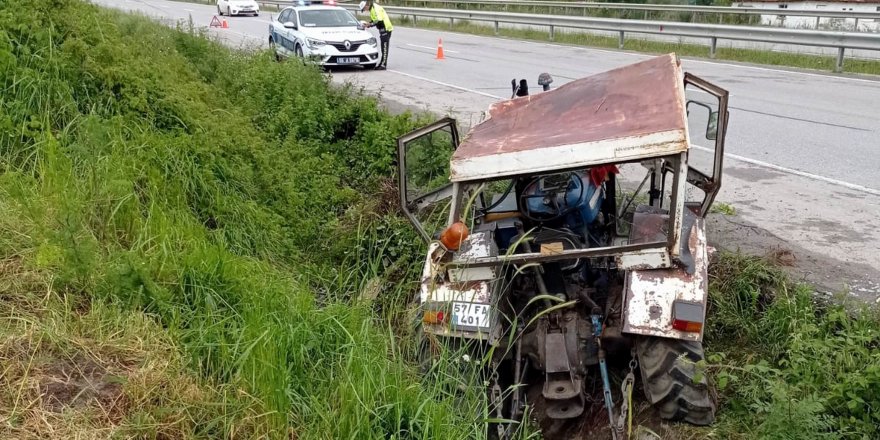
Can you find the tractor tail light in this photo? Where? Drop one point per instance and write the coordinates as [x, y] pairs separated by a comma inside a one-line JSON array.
[[687, 316], [432, 317], [687, 326]]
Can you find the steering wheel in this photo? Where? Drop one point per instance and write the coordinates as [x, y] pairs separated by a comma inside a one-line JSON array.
[[551, 196]]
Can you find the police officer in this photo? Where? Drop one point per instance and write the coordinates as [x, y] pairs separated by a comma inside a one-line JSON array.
[[379, 19]]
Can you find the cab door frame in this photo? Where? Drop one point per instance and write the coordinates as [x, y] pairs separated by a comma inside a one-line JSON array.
[[411, 206], [710, 181]]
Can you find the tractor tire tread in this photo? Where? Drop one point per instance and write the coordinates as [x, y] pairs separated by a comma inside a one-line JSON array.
[[668, 380]]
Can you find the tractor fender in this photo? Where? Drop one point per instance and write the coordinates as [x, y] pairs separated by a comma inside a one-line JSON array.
[[670, 303]]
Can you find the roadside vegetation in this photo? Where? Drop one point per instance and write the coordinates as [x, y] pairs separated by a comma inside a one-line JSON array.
[[202, 243], [686, 17], [786, 364]]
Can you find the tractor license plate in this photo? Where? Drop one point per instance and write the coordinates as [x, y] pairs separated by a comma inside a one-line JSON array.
[[348, 60], [470, 315]]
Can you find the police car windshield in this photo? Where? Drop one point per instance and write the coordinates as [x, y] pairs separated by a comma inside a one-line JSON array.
[[327, 18]]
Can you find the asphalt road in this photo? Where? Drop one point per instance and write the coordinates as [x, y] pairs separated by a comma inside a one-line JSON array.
[[803, 164]]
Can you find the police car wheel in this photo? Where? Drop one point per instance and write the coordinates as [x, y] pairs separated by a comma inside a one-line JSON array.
[[274, 49], [298, 51], [219, 11]]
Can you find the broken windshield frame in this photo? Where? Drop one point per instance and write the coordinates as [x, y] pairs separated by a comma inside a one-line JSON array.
[[655, 255]]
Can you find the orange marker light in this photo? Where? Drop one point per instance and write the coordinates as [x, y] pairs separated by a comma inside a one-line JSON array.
[[454, 235]]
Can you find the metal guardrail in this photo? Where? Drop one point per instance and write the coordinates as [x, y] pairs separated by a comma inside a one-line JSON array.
[[722, 10], [710, 32]]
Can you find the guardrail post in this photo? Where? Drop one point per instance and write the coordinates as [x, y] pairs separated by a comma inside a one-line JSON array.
[[720, 18], [552, 33], [620, 40], [817, 22], [496, 28], [451, 22], [839, 66], [713, 45], [856, 27]]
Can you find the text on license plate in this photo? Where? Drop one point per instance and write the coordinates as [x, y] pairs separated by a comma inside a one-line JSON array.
[[348, 60], [470, 314]]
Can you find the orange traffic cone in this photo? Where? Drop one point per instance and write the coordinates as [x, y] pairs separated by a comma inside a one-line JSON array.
[[440, 50], [225, 24]]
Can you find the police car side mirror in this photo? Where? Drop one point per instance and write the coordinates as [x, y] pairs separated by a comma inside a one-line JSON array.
[[289, 25]]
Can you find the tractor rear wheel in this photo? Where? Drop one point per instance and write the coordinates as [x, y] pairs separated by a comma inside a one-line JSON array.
[[668, 372]]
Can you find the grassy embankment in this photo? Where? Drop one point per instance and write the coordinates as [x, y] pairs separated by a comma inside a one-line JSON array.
[[198, 243]]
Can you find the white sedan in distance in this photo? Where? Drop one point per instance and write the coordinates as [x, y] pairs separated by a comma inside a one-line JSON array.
[[238, 7], [329, 35]]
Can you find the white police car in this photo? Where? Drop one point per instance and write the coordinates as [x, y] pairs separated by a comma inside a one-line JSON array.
[[237, 7], [329, 35]]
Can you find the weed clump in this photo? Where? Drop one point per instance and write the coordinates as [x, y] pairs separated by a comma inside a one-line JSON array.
[[786, 364]]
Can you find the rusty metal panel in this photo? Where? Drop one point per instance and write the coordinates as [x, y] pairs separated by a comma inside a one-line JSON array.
[[477, 245], [629, 113], [443, 284], [650, 293], [465, 283], [645, 259]]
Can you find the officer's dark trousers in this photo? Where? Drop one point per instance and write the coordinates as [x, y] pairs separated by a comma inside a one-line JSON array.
[[385, 39]]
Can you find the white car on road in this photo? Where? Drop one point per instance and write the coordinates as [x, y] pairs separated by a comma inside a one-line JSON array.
[[329, 35], [237, 7]]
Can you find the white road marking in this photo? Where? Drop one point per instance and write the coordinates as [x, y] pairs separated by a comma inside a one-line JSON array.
[[761, 163], [452, 86], [430, 48], [189, 10]]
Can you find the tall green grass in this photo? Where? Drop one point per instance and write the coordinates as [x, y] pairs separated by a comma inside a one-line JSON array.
[[786, 364], [234, 201]]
